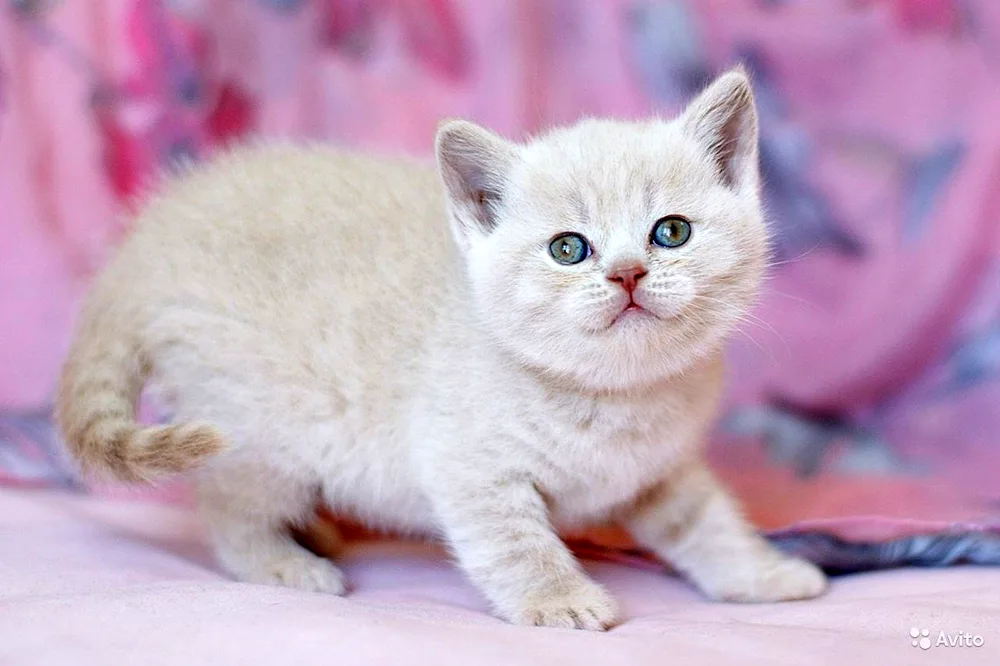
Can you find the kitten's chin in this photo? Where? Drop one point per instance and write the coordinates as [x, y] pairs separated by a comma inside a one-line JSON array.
[[646, 348], [627, 350]]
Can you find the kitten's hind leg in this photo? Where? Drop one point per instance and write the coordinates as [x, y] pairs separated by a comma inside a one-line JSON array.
[[248, 510]]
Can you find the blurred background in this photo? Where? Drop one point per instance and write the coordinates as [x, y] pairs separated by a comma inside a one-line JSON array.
[[867, 382]]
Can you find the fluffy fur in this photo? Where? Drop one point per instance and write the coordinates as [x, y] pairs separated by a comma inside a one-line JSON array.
[[318, 335]]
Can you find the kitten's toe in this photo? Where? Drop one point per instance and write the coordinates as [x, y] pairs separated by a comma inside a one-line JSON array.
[[587, 606], [792, 579], [778, 578], [302, 572]]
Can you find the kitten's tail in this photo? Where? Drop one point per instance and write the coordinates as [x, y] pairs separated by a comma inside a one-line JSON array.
[[96, 400]]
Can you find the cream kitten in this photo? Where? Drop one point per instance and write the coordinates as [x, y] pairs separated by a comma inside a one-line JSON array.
[[554, 361]]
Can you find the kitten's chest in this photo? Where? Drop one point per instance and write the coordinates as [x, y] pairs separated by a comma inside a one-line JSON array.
[[593, 455]]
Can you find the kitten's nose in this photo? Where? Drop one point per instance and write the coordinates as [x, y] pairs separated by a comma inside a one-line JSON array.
[[628, 276]]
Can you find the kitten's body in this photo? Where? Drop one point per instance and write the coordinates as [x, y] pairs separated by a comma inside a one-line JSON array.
[[311, 307]]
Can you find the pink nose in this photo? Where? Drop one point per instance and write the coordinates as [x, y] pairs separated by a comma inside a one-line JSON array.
[[627, 277]]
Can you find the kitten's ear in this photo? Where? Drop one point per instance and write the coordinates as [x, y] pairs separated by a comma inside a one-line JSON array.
[[475, 165], [723, 119]]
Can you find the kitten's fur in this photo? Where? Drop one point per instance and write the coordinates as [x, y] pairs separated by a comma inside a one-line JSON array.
[[318, 334]]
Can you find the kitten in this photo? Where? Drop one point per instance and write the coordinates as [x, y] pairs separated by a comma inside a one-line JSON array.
[[554, 361]]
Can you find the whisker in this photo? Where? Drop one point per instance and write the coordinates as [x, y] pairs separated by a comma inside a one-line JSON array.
[[794, 298], [748, 318], [795, 259], [742, 332], [747, 335]]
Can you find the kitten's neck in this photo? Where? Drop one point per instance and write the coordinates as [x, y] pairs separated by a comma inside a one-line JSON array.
[[570, 386]]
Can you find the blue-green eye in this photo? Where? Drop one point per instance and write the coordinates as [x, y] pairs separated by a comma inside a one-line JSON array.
[[569, 249], [671, 231]]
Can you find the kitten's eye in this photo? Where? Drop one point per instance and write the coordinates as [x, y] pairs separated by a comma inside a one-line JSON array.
[[671, 231], [569, 249]]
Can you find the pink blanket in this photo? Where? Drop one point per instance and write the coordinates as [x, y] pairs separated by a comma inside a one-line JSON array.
[[85, 581]]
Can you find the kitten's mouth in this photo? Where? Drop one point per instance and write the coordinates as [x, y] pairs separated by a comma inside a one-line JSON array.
[[632, 311]]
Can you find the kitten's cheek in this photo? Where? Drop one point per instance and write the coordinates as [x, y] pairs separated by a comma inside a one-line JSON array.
[[724, 260], [669, 299], [590, 313], [534, 292]]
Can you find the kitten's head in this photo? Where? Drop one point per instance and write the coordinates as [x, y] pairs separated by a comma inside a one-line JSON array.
[[613, 253]]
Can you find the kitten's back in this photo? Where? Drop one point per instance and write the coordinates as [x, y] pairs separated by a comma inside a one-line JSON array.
[[270, 224], [285, 265]]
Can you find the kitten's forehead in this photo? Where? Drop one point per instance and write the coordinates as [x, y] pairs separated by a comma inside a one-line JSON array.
[[601, 166]]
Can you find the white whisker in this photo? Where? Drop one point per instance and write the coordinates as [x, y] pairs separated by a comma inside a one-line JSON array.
[[794, 259], [748, 318]]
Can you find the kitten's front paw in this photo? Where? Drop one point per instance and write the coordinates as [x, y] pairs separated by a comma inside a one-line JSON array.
[[584, 606], [773, 578], [302, 572]]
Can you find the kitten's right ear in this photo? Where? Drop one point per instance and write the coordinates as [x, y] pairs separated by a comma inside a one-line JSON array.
[[475, 165]]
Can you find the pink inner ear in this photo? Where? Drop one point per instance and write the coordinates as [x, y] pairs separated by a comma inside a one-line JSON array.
[[730, 149], [474, 164], [724, 120]]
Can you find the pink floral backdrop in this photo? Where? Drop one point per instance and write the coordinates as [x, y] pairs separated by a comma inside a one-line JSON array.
[[867, 382]]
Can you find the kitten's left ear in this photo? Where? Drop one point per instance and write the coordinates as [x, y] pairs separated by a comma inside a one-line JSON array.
[[723, 119], [475, 166]]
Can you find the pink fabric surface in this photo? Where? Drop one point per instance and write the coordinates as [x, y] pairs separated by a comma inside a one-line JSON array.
[[85, 581]]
